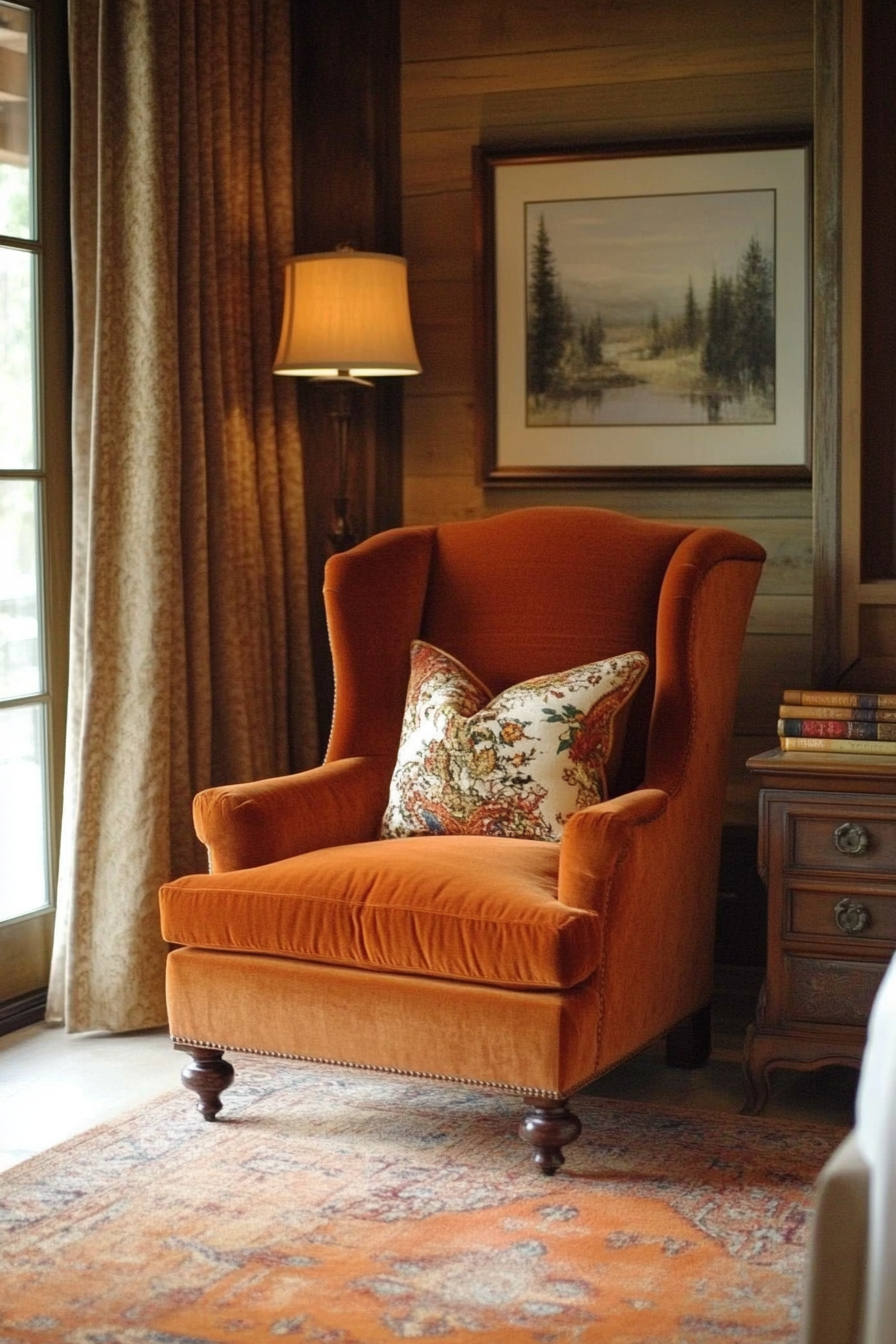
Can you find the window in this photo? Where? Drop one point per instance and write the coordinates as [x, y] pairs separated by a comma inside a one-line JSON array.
[[34, 530]]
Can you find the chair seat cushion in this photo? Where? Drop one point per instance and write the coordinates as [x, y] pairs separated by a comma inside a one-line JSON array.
[[472, 908]]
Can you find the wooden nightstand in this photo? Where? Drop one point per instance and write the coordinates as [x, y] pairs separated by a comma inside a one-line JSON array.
[[827, 854]]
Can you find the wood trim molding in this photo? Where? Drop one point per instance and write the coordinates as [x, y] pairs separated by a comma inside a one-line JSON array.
[[23, 1011]]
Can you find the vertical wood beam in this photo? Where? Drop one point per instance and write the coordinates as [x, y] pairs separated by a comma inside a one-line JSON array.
[[347, 136], [878, 272], [851, 338], [826, 342]]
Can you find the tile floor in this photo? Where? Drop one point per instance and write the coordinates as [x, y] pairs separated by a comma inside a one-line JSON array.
[[54, 1085]]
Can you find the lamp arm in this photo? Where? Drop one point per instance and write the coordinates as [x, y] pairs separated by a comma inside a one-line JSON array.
[[340, 534]]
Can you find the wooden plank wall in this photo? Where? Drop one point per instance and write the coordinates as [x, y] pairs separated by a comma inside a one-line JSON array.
[[346, 107], [516, 74]]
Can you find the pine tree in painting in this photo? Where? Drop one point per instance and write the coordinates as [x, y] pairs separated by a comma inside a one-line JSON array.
[[755, 319], [719, 352], [548, 317], [591, 341], [739, 352], [655, 343], [691, 327]]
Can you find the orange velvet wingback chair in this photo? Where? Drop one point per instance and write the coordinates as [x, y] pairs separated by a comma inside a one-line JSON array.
[[528, 965]]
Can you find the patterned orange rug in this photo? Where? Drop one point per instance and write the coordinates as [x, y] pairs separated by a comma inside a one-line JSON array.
[[344, 1208]]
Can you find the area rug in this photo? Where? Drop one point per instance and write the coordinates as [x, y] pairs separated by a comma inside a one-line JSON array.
[[341, 1207]]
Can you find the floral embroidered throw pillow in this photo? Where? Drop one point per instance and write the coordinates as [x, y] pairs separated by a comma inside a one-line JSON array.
[[519, 764]]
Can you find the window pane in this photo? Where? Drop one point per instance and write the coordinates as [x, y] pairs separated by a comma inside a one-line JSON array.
[[23, 844], [20, 653], [17, 437], [15, 122]]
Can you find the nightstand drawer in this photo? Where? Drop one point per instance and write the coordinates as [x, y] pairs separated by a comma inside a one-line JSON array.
[[848, 839], [830, 992], [850, 914]]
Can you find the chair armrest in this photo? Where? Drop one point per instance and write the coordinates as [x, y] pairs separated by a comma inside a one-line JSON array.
[[341, 803], [597, 840], [651, 876]]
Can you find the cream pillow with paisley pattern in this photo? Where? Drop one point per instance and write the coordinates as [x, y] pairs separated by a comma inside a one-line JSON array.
[[518, 764]]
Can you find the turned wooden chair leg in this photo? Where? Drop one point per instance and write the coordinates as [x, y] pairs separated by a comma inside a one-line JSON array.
[[549, 1126], [208, 1074], [689, 1044]]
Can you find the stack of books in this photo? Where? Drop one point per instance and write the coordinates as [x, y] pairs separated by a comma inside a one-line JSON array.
[[837, 721]]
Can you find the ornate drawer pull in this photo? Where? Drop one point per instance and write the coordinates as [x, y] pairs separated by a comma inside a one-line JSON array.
[[850, 838], [851, 916]]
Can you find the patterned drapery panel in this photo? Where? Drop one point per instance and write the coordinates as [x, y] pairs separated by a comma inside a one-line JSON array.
[[189, 651]]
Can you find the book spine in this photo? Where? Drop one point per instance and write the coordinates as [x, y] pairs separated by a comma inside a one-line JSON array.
[[840, 699], [837, 744], [844, 715], [837, 728]]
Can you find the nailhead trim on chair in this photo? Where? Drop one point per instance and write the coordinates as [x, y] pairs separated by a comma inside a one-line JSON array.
[[404, 1073]]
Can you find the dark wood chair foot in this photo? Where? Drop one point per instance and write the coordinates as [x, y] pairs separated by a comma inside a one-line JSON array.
[[549, 1126], [689, 1044], [208, 1074]]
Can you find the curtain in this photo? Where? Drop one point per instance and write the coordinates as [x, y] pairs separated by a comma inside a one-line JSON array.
[[190, 663]]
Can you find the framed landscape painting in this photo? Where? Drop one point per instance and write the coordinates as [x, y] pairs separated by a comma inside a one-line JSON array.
[[644, 313]]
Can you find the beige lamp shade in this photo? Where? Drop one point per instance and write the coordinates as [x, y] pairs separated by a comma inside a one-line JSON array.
[[345, 313]]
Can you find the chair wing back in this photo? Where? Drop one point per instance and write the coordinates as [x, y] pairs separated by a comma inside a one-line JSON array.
[[374, 596], [540, 590], [518, 595]]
